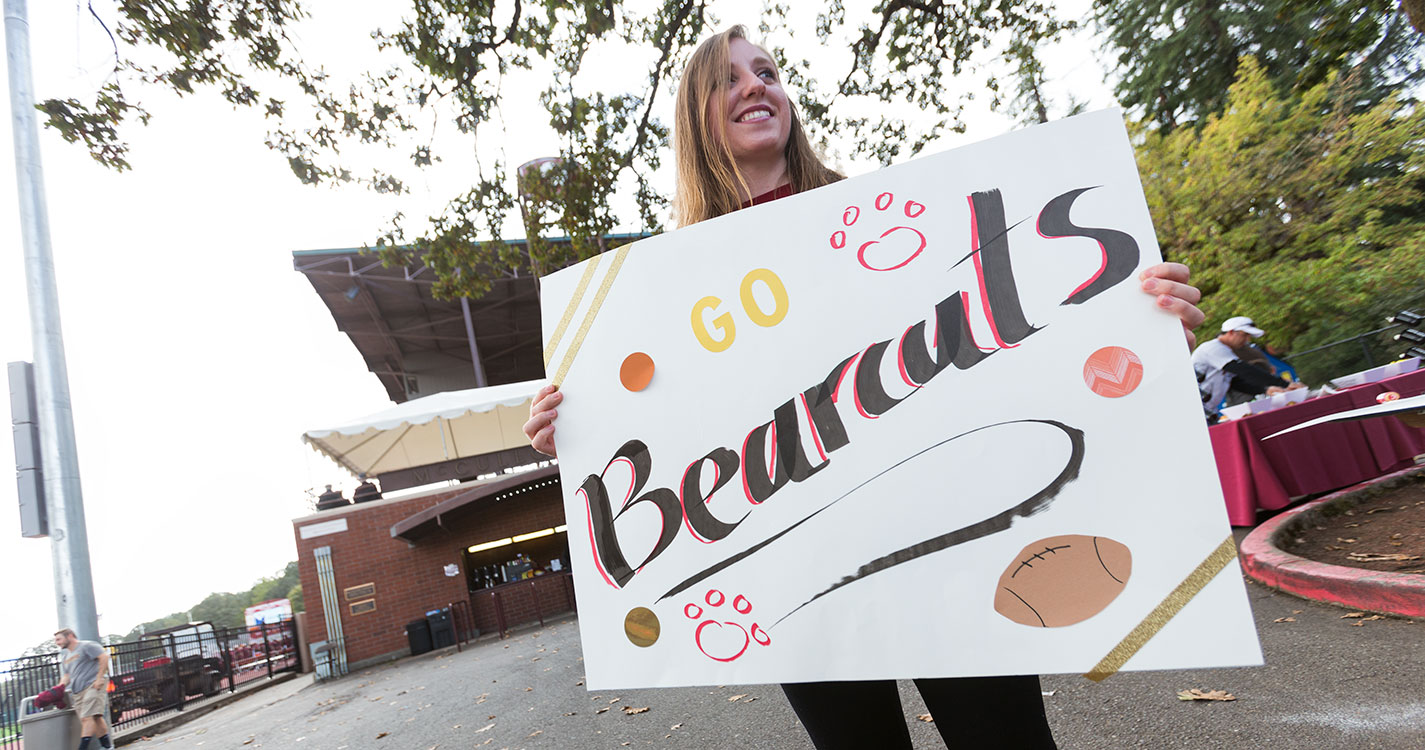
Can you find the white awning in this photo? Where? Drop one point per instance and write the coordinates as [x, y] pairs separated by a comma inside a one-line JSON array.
[[450, 425]]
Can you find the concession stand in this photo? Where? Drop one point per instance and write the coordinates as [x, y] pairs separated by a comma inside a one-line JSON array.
[[458, 527]]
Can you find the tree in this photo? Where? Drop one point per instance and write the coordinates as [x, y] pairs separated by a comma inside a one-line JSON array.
[[225, 610], [1177, 58], [1297, 210], [448, 60]]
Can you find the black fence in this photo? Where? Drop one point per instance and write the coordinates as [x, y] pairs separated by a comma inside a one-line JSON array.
[[160, 673]]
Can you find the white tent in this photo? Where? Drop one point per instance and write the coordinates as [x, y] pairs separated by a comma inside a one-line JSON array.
[[445, 426]]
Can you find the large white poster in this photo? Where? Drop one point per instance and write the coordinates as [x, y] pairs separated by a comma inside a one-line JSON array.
[[918, 423]]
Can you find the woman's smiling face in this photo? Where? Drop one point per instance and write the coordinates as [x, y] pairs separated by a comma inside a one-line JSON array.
[[757, 118]]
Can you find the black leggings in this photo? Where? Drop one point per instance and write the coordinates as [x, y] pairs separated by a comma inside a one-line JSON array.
[[1004, 713]]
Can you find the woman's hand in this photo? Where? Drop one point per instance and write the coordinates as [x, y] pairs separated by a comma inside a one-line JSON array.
[[540, 427], [1169, 281]]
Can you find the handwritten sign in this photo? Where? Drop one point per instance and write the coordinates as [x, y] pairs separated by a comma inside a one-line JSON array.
[[918, 423]]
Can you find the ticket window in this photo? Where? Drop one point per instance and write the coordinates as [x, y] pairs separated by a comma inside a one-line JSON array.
[[517, 558]]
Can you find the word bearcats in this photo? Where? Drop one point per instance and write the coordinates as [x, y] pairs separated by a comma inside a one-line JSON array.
[[917, 365]]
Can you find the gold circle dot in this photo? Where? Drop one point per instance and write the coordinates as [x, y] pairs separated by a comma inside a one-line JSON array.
[[641, 626]]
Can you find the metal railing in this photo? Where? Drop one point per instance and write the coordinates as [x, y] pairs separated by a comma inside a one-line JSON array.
[[159, 674]]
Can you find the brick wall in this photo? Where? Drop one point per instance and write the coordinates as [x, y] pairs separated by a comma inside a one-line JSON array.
[[409, 577]]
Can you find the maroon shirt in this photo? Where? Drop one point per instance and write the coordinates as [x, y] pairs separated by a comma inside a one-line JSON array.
[[769, 196]]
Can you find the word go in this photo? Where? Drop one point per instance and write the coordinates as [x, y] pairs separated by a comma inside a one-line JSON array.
[[724, 324]]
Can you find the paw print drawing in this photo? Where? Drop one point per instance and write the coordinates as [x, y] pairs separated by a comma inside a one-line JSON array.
[[724, 640], [895, 247]]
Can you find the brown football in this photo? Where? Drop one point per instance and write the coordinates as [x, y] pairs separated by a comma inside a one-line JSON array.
[[1063, 580]]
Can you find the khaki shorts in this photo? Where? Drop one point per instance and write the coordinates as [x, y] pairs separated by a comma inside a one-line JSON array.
[[90, 701]]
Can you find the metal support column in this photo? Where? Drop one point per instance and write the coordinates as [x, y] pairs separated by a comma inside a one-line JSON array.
[[480, 381], [73, 580]]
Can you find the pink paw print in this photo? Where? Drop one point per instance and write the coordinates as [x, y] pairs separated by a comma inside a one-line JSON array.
[[896, 246], [724, 640]]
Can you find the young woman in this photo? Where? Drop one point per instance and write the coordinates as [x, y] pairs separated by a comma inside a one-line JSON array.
[[738, 142]]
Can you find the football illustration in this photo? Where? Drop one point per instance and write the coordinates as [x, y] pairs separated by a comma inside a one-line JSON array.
[[1063, 580]]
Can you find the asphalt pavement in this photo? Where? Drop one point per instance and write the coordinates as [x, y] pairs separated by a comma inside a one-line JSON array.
[[1329, 683]]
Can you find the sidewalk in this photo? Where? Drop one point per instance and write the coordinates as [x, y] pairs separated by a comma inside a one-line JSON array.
[[1328, 684], [280, 686]]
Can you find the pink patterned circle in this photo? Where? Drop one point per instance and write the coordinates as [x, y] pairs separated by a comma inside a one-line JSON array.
[[1113, 372]]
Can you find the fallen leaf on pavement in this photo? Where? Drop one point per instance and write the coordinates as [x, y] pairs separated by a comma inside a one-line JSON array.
[[383, 734], [605, 708], [1379, 557], [1346, 541], [1285, 619], [485, 728], [248, 741], [615, 700], [926, 717], [679, 725], [1349, 615], [630, 710], [736, 698], [1210, 695], [536, 733], [750, 699]]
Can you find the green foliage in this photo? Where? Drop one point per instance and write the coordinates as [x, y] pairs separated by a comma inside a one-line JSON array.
[[453, 56], [225, 610], [1301, 211], [1177, 58]]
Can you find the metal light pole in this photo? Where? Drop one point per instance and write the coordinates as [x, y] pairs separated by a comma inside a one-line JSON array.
[[73, 581]]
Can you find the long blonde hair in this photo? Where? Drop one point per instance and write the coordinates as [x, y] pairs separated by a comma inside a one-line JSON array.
[[709, 182]]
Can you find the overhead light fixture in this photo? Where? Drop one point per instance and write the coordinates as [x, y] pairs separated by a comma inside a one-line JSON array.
[[534, 535], [491, 545], [1406, 317], [352, 292], [1411, 335]]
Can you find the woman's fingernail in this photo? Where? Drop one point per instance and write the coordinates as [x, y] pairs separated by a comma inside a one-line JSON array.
[[1165, 301], [1149, 284]]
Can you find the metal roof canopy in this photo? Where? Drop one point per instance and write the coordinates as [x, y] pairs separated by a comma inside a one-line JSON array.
[[419, 525], [419, 345]]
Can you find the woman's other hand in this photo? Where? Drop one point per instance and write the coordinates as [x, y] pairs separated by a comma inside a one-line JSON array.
[[540, 427], [1169, 282]]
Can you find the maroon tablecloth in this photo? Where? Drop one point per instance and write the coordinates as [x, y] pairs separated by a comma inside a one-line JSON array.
[[1266, 474]]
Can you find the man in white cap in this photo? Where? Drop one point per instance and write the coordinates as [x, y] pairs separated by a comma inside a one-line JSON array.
[[1219, 368]]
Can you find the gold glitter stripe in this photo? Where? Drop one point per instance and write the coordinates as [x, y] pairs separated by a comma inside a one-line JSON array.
[[1170, 606], [570, 308], [594, 306]]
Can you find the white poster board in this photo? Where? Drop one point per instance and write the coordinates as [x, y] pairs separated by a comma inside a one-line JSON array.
[[918, 423]]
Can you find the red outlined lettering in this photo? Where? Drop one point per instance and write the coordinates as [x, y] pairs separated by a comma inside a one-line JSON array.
[[980, 278]]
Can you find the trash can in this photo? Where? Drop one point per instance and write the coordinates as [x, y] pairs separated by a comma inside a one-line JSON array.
[[442, 630], [418, 636], [49, 729]]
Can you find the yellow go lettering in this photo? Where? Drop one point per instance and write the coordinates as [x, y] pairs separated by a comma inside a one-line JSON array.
[[779, 298], [722, 323]]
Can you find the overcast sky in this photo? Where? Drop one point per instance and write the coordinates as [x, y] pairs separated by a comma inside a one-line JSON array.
[[197, 355]]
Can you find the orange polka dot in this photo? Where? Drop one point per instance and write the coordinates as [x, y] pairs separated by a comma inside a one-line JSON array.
[[636, 372]]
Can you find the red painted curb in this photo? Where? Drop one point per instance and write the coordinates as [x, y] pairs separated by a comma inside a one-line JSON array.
[[1355, 588]]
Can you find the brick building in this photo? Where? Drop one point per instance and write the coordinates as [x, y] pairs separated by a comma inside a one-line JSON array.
[[491, 549], [392, 560]]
